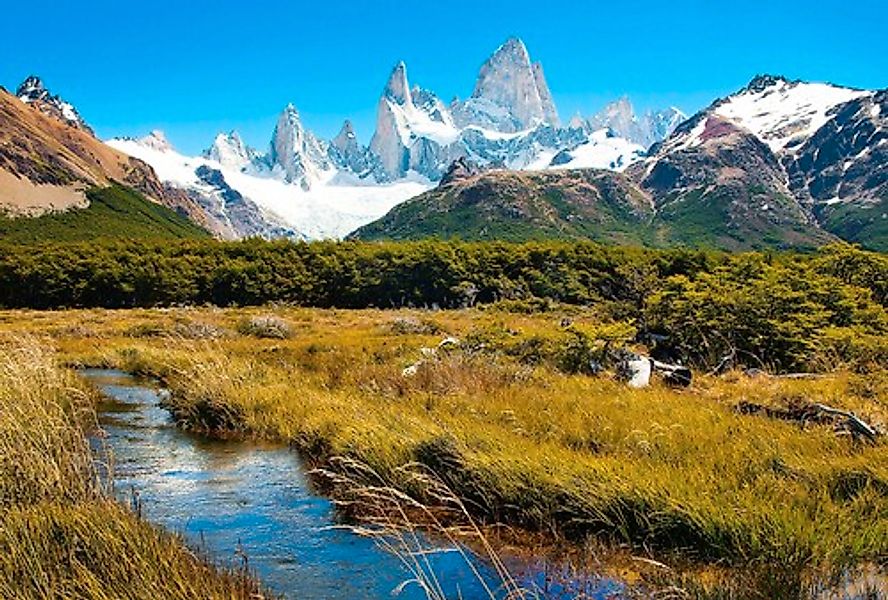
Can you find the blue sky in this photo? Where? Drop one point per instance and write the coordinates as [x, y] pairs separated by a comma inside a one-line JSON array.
[[194, 67]]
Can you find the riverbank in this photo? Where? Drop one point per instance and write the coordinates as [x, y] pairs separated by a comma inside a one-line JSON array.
[[517, 437], [62, 535]]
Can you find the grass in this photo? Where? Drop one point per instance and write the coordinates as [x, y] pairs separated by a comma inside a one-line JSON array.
[[678, 475], [61, 535], [113, 212]]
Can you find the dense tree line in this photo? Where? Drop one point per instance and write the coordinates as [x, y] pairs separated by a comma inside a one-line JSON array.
[[118, 274], [779, 310]]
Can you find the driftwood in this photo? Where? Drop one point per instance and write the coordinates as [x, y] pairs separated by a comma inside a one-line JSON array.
[[854, 423], [677, 375], [811, 412]]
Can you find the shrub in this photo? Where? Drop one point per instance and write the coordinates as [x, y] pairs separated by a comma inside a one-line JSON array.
[[265, 326]]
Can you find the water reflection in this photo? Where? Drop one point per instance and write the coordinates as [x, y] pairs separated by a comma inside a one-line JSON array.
[[237, 498]]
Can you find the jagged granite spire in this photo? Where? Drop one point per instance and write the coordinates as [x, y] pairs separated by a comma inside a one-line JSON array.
[[397, 89], [550, 112], [295, 151], [511, 93], [387, 143]]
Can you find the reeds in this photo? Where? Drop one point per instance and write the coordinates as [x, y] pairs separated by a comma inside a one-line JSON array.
[[61, 535]]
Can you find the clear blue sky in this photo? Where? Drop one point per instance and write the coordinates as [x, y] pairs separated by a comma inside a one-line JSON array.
[[195, 67]]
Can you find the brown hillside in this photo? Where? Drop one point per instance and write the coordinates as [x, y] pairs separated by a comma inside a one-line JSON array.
[[46, 164]]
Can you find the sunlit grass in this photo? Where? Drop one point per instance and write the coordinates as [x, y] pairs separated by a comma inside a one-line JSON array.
[[61, 535], [669, 472]]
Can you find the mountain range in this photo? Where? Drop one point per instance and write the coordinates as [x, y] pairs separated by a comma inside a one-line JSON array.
[[779, 163], [309, 188]]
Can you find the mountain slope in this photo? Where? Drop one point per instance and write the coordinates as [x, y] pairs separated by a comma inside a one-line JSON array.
[[515, 206], [727, 190], [113, 212], [47, 164], [842, 172], [779, 163]]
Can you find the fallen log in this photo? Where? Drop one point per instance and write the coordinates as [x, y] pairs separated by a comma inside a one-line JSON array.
[[811, 412], [856, 424], [677, 375]]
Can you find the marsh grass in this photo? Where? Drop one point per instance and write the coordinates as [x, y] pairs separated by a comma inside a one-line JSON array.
[[401, 522], [678, 475], [61, 533]]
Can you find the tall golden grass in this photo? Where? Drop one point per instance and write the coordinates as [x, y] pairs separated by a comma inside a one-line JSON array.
[[61, 535], [676, 474]]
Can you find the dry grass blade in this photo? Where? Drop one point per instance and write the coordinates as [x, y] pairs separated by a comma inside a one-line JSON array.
[[61, 534], [412, 526]]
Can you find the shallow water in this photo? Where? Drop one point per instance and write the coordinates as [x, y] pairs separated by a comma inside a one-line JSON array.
[[238, 499]]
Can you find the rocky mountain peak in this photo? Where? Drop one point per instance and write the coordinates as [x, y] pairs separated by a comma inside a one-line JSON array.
[[621, 119], [577, 122], [298, 154], [346, 137], [618, 115], [512, 51], [397, 89], [461, 168], [156, 140], [32, 91], [761, 82], [511, 93], [550, 112], [230, 150]]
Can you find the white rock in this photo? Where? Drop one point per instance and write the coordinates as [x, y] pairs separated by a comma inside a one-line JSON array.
[[640, 372]]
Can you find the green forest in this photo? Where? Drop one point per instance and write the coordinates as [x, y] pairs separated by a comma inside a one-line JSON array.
[[784, 310]]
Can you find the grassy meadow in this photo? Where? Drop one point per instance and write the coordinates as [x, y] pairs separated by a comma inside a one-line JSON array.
[[514, 427]]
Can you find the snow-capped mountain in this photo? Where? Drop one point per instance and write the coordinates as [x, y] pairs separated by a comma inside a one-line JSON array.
[[32, 91], [411, 135], [511, 93], [781, 113], [296, 153], [314, 188], [229, 150], [509, 121], [785, 156], [267, 204]]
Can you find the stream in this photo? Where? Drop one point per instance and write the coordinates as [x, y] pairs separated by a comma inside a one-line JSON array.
[[244, 501]]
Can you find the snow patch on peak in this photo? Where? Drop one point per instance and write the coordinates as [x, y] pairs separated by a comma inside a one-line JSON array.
[[784, 113], [156, 140], [33, 91], [229, 149]]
